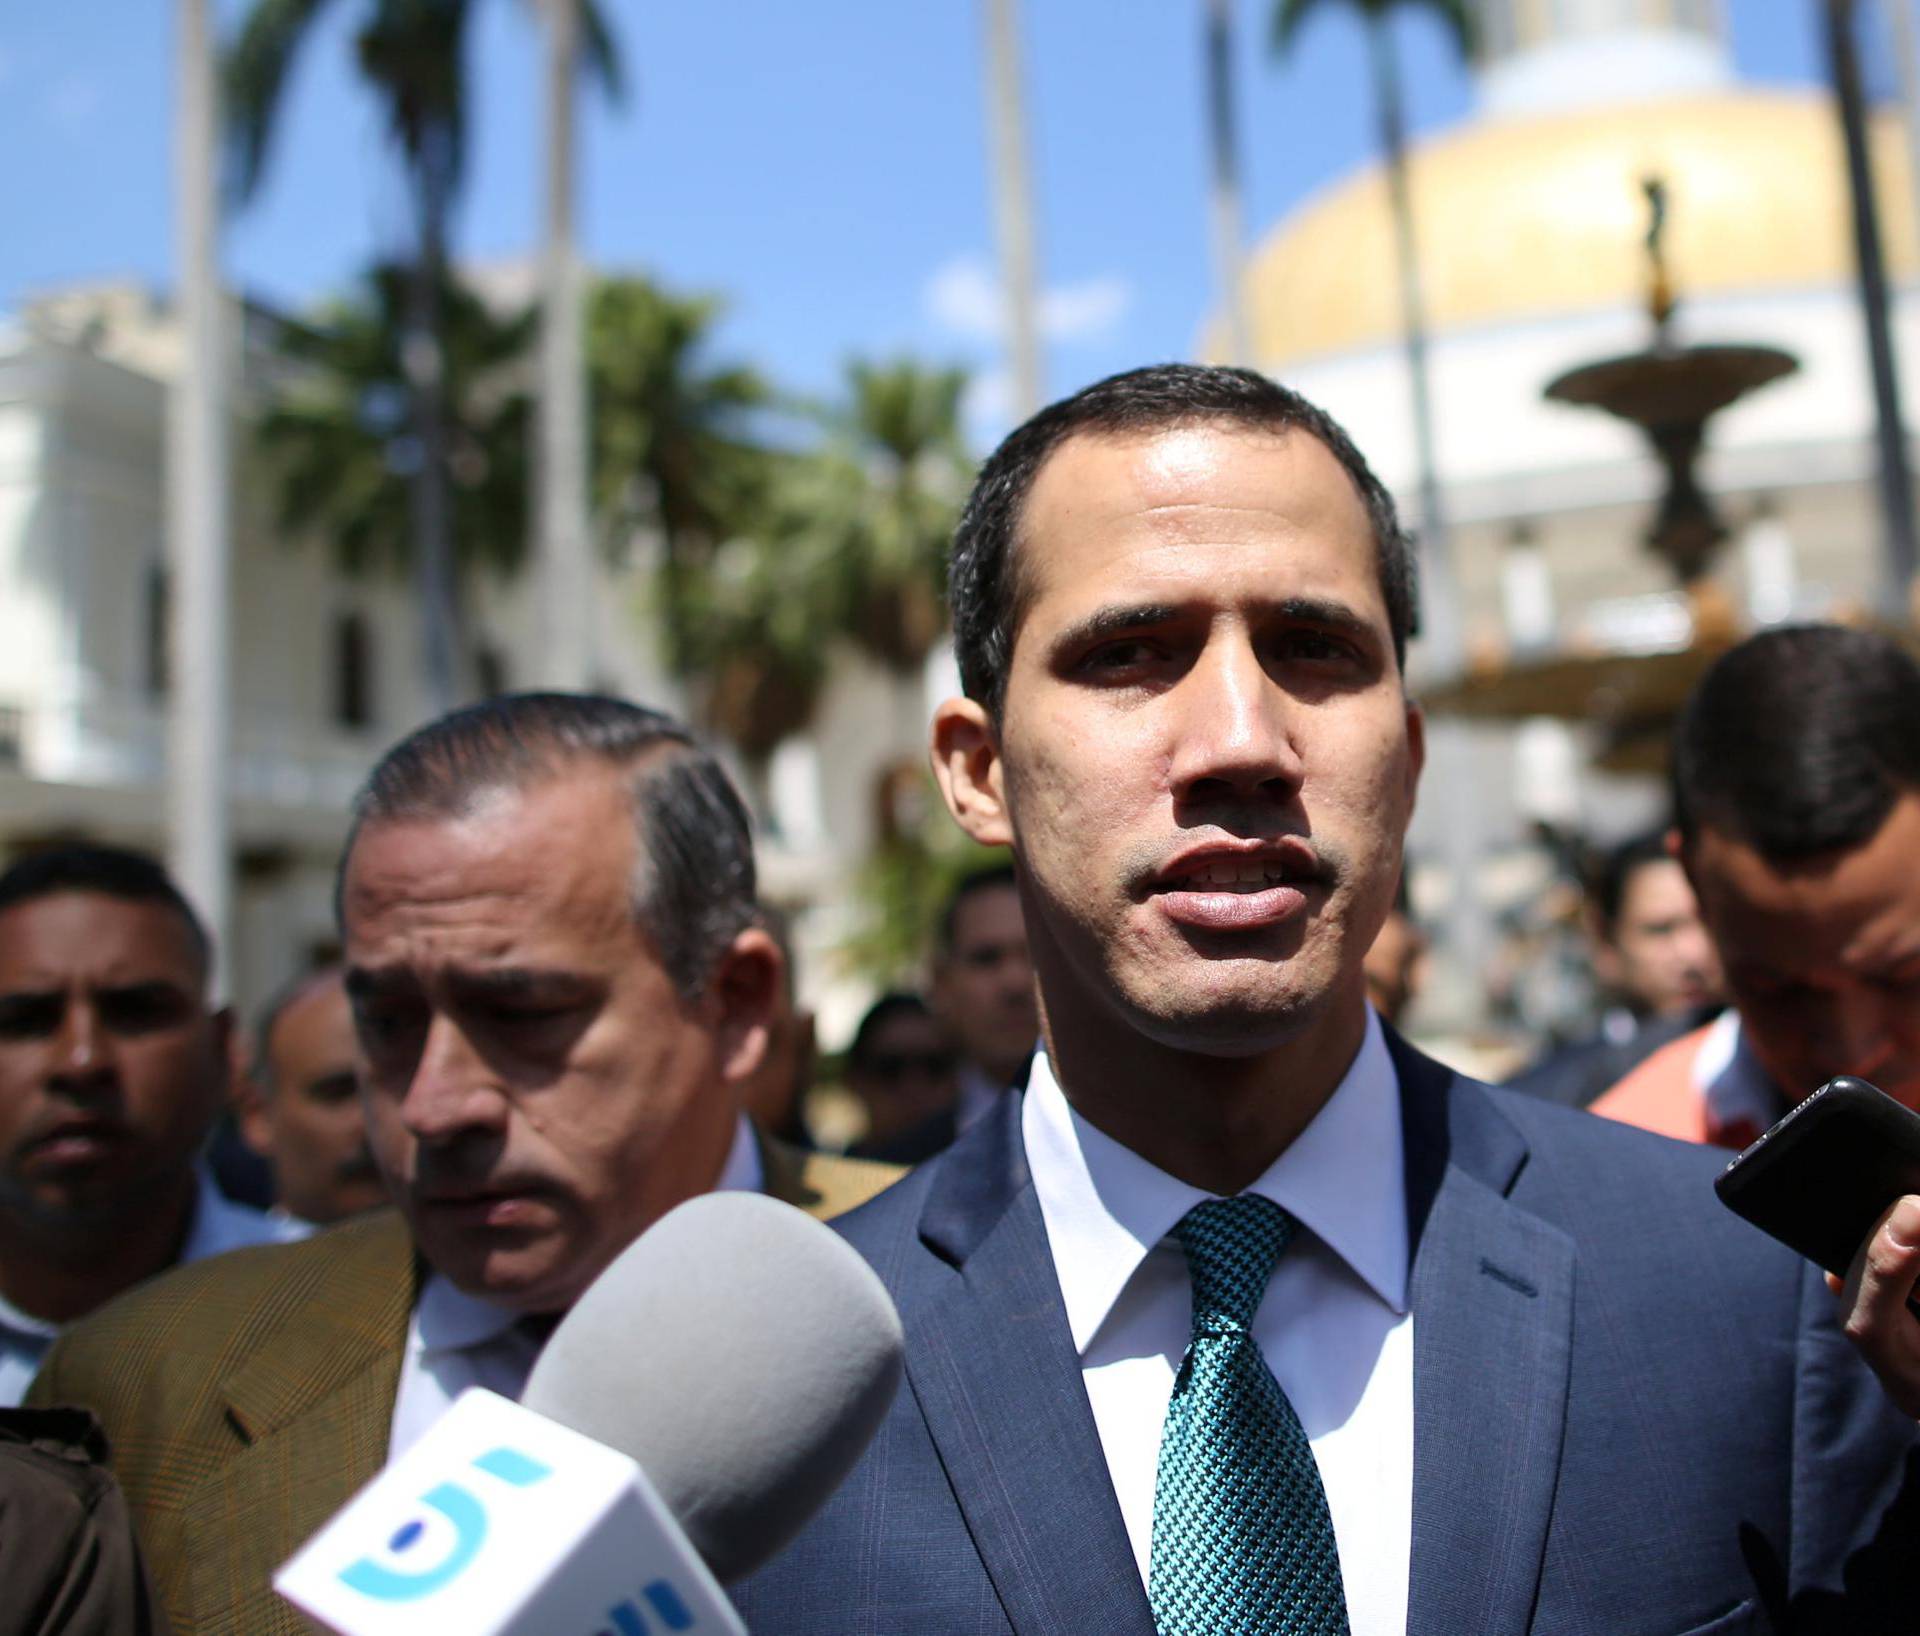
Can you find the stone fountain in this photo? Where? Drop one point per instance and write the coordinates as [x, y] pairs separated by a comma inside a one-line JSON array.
[[1671, 391]]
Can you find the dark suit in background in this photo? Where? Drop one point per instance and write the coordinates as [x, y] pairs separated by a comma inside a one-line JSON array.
[[1633, 1414]]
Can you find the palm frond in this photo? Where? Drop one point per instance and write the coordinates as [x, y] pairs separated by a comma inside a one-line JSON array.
[[254, 76], [600, 52], [1455, 16]]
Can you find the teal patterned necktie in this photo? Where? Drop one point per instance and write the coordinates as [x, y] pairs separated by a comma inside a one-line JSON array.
[[1242, 1543]]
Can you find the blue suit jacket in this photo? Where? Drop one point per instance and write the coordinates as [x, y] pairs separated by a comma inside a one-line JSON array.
[[1633, 1414]]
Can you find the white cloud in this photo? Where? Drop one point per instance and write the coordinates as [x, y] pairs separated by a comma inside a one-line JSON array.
[[1085, 311], [987, 407], [963, 296]]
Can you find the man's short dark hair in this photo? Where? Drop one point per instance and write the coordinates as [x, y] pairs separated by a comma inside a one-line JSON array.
[[990, 879], [985, 586], [1799, 741], [693, 887], [897, 1002], [106, 871], [1617, 867]]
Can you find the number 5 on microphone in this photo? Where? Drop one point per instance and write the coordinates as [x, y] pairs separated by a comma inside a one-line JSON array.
[[419, 1574], [500, 1522]]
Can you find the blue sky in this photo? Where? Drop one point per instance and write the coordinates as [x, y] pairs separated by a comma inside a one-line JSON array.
[[821, 166]]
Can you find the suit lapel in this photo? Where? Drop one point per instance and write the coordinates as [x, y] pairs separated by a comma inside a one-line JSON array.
[[1492, 1299], [998, 1381], [313, 1408]]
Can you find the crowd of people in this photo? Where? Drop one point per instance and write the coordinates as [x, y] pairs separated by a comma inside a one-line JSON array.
[[1227, 1310]]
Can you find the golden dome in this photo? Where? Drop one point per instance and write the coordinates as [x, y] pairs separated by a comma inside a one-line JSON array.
[[1526, 217]]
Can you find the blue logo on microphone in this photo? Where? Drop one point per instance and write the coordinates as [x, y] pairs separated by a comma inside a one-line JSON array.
[[663, 1599], [455, 1505]]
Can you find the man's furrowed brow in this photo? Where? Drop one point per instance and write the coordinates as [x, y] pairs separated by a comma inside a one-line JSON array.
[[363, 982], [519, 983], [1117, 619], [1313, 610]]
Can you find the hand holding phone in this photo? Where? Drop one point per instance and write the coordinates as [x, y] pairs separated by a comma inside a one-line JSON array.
[[1838, 1179], [1877, 1302]]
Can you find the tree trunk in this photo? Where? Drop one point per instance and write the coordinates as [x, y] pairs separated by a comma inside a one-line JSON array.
[[1013, 203], [1451, 746], [199, 725], [1896, 480], [1440, 614], [443, 645], [565, 552], [1228, 238]]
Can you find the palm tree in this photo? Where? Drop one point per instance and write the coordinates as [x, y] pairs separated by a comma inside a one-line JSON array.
[[1013, 202], [413, 54], [879, 502], [1896, 479], [674, 448], [340, 447], [1224, 183], [1389, 108]]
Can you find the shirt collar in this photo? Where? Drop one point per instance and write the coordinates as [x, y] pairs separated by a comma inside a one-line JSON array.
[[1106, 1207], [220, 1224], [450, 1320], [1740, 1094]]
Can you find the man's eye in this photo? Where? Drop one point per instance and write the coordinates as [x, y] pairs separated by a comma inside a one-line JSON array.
[[30, 1016], [142, 1011], [1315, 647], [1118, 656], [375, 1026], [531, 1016]]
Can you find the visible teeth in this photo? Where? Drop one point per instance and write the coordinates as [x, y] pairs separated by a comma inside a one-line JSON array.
[[1236, 874]]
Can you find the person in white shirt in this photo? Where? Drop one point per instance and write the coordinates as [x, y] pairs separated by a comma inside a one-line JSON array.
[[113, 1068], [1246, 1318]]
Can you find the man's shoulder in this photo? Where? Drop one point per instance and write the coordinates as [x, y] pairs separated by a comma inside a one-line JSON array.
[[1613, 1187], [1658, 1094], [215, 1311]]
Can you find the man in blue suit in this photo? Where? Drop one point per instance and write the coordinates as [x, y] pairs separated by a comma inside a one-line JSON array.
[[1246, 1317]]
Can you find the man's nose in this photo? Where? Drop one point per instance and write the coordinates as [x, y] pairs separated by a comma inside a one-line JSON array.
[[1231, 726], [1859, 1036], [451, 1092], [83, 1056]]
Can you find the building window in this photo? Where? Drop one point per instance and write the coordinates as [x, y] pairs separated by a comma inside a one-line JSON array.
[[352, 671], [159, 666]]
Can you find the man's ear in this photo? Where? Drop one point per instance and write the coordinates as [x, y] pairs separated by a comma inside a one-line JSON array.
[[966, 760], [746, 985]]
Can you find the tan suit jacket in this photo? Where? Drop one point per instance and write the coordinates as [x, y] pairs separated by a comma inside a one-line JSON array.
[[247, 1397]]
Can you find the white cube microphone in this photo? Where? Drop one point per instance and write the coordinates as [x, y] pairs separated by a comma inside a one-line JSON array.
[[499, 1522], [702, 1399]]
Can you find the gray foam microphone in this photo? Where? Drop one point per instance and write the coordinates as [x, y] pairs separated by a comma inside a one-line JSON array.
[[743, 1354]]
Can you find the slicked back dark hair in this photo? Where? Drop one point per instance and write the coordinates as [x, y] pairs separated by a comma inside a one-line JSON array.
[[986, 588], [1799, 741], [693, 885], [108, 872]]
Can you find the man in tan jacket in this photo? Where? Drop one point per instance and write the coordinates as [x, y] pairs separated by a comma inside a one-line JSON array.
[[559, 983]]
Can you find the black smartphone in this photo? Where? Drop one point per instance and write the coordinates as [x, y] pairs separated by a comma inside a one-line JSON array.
[[1821, 1178]]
